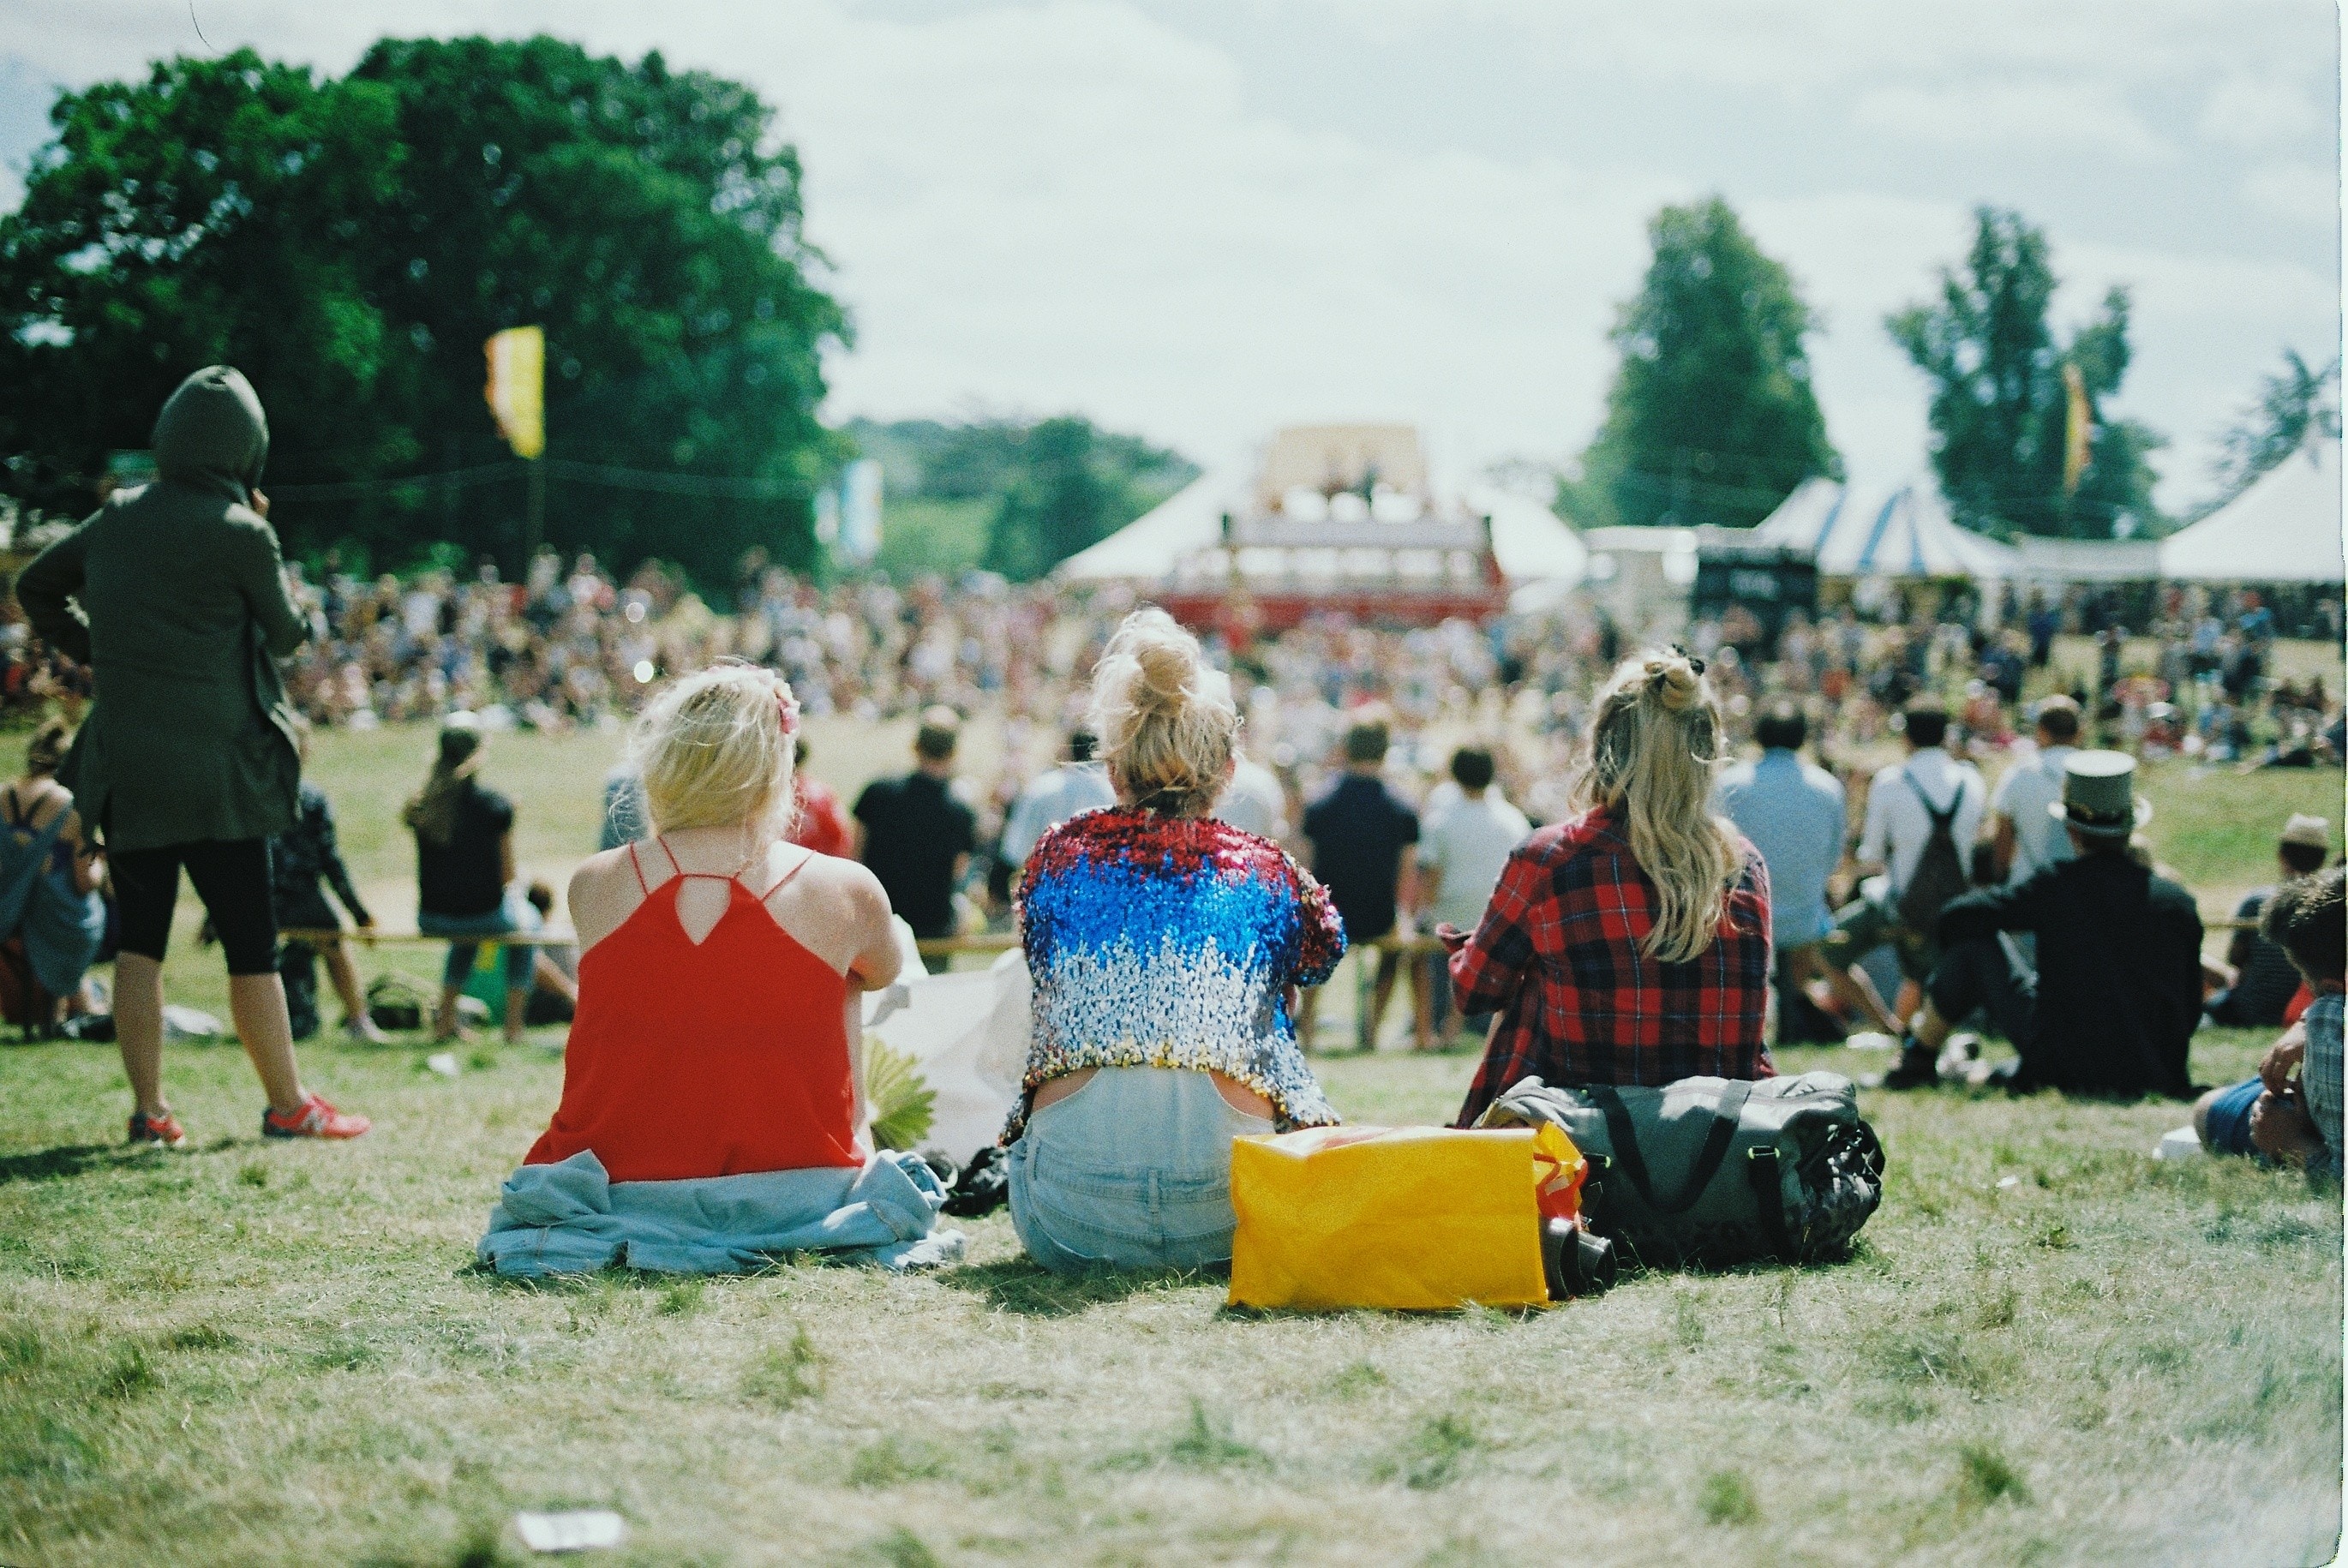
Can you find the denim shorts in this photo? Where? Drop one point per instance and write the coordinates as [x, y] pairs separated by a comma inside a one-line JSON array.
[[1132, 1171], [514, 912], [2227, 1120]]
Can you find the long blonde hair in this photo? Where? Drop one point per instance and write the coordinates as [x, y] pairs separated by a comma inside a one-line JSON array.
[[1654, 747], [714, 750], [1165, 717]]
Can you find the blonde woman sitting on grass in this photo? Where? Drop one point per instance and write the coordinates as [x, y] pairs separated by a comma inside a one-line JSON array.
[[712, 1112], [1628, 944]]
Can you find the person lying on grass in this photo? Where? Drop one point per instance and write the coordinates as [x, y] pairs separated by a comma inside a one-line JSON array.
[[1631, 944], [1167, 949], [713, 1112], [2293, 1121]]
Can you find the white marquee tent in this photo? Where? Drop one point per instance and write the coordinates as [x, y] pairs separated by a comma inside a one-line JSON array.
[[1908, 533], [1532, 544], [2284, 529]]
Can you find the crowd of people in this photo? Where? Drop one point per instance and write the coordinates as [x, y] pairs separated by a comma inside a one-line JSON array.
[[1610, 902]]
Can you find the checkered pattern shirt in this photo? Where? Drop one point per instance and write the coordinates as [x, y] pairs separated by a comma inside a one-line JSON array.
[[1558, 957], [2318, 1078]]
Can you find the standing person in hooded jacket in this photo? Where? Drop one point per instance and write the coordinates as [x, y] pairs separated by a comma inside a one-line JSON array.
[[174, 595]]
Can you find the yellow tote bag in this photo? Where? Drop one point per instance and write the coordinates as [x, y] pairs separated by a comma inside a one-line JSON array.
[[1422, 1218]]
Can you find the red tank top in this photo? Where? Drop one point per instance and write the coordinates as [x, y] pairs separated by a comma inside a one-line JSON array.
[[705, 1060]]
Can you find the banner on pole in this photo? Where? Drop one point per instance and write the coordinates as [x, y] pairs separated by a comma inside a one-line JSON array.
[[859, 512], [517, 389]]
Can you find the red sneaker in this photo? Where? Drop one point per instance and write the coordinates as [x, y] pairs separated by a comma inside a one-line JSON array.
[[162, 1128], [313, 1118]]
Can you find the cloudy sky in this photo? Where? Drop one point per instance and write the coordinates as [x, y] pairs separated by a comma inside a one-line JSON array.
[[1200, 219]]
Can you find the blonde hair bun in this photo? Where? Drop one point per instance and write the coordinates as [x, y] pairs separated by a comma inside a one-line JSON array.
[[1673, 680], [1165, 717]]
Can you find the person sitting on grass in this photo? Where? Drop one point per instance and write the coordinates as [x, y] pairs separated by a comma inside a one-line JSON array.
[[2111, 1006], [1167, 949], [2266, 979], [61, 919], [2294, 1122], [718, 1036], [466, 887], [1628, 944]]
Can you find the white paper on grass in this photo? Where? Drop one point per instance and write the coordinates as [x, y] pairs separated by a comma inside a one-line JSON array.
[[585, 1530], [966, 1032]]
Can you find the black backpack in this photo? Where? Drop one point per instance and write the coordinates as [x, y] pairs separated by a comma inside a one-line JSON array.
[[1939, 874]]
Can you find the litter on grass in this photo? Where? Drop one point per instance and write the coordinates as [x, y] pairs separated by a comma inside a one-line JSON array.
[[588, 1529], [2178, 1143], [444, 1063]]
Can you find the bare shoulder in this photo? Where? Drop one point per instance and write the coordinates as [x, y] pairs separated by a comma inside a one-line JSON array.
[[603, 892], [850, 882]]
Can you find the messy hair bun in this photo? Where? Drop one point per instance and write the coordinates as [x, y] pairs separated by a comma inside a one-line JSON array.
[[1165, 717], [1673, 679]]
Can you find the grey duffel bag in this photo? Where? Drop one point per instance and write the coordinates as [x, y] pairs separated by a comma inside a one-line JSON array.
[[1716, 1172]]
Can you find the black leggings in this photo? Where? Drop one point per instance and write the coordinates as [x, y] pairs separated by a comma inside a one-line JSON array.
[[231, 876]]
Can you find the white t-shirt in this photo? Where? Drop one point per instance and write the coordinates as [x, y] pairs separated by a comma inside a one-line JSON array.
[[1254, 803], [1468, 845], [2023, 792], [1898, 826]]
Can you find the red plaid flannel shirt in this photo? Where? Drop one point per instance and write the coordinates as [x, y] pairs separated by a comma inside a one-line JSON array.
[[1557, 956]]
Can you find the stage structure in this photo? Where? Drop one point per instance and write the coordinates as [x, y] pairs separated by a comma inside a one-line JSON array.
[[1335, 519]]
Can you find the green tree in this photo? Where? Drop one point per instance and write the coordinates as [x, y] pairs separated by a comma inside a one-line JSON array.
[[2000, 410], [1711, 418], [205, 213], [2295, 403], [352, 244]]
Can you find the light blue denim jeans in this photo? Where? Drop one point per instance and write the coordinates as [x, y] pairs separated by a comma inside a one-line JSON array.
[[1132, 1171], [516, 913]]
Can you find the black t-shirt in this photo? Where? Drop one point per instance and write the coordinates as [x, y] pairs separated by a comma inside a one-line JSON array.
[[466, 876], [2119, 972], [914, 831], [1360, 830]]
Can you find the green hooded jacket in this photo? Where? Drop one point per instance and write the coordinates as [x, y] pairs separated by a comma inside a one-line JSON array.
[[174, 595]]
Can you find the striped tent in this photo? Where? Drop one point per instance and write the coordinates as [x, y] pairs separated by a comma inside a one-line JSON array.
[[1908, 533]]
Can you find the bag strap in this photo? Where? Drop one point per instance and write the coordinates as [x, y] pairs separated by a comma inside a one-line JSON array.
[[1625, 1135], [1941, 821], [1761, 1169]]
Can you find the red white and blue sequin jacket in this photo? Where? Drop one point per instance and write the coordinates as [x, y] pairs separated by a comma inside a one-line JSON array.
[[1169, 942]]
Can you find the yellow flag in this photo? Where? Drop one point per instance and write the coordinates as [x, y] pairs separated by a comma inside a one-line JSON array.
[[517, 389], [2077, 422]]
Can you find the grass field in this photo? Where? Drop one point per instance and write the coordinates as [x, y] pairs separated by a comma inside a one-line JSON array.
[[2049, 1348]]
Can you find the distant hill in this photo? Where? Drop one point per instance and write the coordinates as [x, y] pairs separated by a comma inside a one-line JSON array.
[[1014, 496]]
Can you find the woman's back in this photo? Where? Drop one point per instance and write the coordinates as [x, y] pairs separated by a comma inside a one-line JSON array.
[[1158, 940], [710, 1040]]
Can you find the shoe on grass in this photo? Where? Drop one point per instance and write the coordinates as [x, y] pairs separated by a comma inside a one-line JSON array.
[[1918, 1067], [363, 1029], [162, 1128], [313, 1117]]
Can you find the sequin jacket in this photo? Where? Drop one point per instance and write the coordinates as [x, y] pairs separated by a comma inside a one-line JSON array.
[[1168, 942]]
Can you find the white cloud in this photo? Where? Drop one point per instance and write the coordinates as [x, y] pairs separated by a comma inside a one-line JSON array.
[[2302, 192], [2247, 110], [2032, 118]]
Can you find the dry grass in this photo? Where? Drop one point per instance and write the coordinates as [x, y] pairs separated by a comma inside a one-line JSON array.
[[254, 1353]]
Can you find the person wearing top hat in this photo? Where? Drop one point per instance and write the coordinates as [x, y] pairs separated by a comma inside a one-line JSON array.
[[2266, 980], [2111, 1006]]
